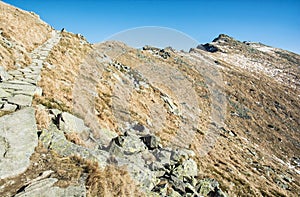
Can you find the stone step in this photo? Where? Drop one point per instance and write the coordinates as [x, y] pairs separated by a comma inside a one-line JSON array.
[[21, 100]]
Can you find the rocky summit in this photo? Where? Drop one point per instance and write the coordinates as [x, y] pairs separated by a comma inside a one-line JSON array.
[[82, 119]]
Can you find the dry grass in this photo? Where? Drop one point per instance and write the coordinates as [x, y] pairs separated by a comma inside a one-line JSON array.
[[23, 26], [112, 181], [267, 116], [42, 118], [50, 103], [57, 83], [21, 32], [74, 138]]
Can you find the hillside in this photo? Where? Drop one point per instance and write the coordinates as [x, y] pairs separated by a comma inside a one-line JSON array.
[[82, 119]]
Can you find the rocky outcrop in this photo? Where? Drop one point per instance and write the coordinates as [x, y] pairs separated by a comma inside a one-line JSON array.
[[158, 170]]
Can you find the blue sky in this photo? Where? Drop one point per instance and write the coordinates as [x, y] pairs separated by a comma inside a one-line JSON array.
[[275, 23]]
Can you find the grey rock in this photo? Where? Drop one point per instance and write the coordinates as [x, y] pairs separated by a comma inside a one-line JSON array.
[[161, 189], [163, 156], [21, 82], [4, 94], [24, 87], [144, 176], [22, 100], [182, 154], [73, 124], [4, 76], [209, 187], [187, 169], [151, 141], [46, 188], [115, 149], [54, 139], [15, 73], [128, 143], [29, 80], [18, 138], [9, 107]]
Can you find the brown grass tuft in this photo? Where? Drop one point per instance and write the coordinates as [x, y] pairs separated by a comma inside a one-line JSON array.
[[74, 138], [42, 118], [112, 181]]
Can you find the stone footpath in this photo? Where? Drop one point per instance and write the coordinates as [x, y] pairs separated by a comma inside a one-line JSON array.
[[18, 131]]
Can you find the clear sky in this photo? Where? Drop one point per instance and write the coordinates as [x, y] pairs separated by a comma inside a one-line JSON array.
[[272, 22]]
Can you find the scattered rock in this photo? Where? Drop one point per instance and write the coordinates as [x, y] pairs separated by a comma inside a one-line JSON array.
[[187, 169], [151, 141], [209, 187], [208, 47]]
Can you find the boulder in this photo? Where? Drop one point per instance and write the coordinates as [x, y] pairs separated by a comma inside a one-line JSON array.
[[128, 143], [209, 187], [187, 169], [18, 139]]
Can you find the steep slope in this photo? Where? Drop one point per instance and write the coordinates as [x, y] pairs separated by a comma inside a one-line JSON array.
[[20, 33], [114, 120]]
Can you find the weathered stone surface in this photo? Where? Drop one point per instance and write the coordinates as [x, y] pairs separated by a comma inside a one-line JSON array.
[[54, 139], [71, 123], [25, 87], [163, 156], [9, 107], [4, 76], [151, 141], [209, 187], [187, 169], [15, 72], [22, 100], [4, 94], [18, 139], [46, 188], [128, 143]]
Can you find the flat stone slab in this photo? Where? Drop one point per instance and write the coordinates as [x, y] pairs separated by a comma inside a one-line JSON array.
[[20, 99], [29, 81], [25, 87], [4, 94], [15, 72], [16, 81], [46, 188], [9, 107], [18, 139]]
